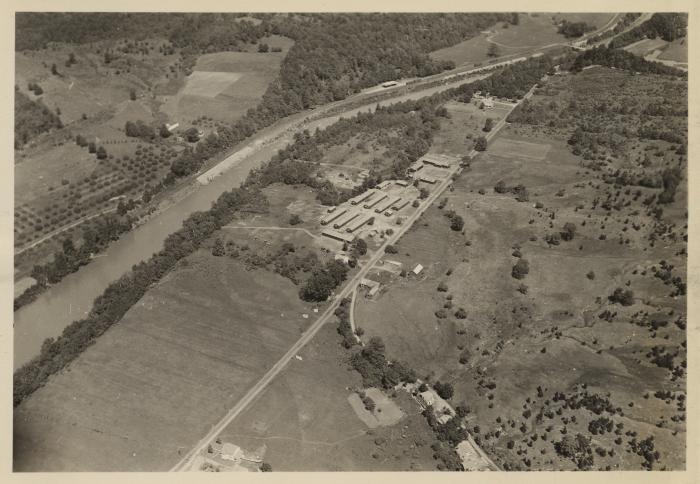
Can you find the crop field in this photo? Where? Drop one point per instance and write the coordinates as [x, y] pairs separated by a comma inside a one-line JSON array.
[[157, 381], [503, 341], [306, 422], [224, 85]]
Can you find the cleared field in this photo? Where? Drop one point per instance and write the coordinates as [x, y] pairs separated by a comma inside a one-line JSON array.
[[646, 46], [209, 84], [307, 424], [224, 85], [513, 148], [676, 51], [534, 30], [466, 122], [157, 381]]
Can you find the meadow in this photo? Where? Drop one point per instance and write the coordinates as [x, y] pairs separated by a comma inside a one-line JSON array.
[[154, 383]]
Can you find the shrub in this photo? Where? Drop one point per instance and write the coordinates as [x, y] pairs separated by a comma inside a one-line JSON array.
[[625, 297], [520, 269]]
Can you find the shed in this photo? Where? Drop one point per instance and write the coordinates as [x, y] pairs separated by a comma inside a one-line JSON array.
[[418, 269]]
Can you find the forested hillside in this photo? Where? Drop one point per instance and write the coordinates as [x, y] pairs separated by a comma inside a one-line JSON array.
[[668, 26]]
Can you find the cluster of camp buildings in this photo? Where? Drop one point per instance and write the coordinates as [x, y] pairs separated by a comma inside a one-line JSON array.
[[344, 221]]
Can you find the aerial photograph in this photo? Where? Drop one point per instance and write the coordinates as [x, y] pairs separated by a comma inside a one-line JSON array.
[[277, 242]]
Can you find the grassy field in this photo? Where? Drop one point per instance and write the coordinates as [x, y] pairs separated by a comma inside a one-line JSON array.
[[517, 335], [306, 422], [225, 85], [676, 51], [534, 30], [156, 382], [646, 46]]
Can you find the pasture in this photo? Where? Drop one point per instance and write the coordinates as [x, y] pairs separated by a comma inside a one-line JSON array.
[[519, 341], [149, 388], [305, 420], [676, 51], [533, 31]]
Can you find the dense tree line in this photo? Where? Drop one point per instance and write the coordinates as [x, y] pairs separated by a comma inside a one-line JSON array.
[[139, 129], [371, 363], [574, 29], [32, 118], [621, 59], [668, 26], [621, 25], [69, 259]]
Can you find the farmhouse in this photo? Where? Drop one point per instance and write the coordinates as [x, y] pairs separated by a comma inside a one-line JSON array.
[[401, 183], [418, 269], [172, 127], [384, 184], [488, 102], [334, 234], [372, 285]]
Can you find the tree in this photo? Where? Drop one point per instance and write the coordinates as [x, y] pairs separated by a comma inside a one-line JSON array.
[[263, 48], [164, 132], [218, 249], [568, 232], [445, 390], [493, 50], [295, 220], [359, 247], [92, 147], [480, 144], [54, 70], [81, 141], [622, 296], [457, 223], [488, 125], [101, 153], [192, 135], [520, 269], [132, 94], [265, 467], [500, 187], [390, 249], [424, 193]]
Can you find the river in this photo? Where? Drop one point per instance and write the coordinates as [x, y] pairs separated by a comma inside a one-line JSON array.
[[71, 299]]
